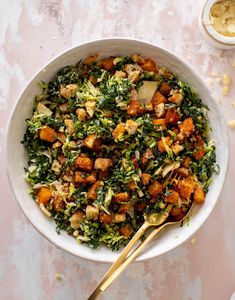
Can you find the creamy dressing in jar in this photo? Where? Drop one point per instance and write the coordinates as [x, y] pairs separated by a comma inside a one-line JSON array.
[[222, 16]]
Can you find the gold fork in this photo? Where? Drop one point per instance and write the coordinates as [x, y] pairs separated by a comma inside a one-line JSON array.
[[123, 261]]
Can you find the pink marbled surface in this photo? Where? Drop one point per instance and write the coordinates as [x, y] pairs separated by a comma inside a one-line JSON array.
[[31, 33]]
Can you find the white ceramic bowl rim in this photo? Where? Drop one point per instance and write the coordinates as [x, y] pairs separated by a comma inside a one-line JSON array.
[[104, 254]]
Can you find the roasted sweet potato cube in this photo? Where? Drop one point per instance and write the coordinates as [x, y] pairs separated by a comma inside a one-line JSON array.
[[123, 208], [186, 187], [44, 195], [145, 177], [107, 63], [90, 59], [200, 141], [187, 161], [163, 143], [172, 196], [62, 159], [105, 218], [199, 194], [120, 197], [187, 127], [172, 116], [158, 98], [148, 154], [58, 203], [47, 134], [176, 98], [83, 163], [92, 193], [199, 152], [79, 177], [140, 206], [135, 108], [160, 124], [119, 131], [103, 163], [90, 179], [103, 174], [92, 142], [165, 88], [177, 213], [126, 231], [135, 162], [131, 185], [149, 65], [155, 189]]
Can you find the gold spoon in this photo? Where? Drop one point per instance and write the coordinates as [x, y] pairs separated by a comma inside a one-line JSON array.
[[122, 262]]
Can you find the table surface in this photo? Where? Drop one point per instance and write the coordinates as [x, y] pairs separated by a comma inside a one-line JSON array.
[[33, 32]]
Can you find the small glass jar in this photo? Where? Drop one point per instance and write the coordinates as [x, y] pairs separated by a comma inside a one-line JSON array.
[[208, 31]]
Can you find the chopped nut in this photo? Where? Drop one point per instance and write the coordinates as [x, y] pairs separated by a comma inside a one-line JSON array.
[[56, 145], [138, 59], [231, 123], [56, 167], [120, 74], [92, 212], [70, 126], [131, 126], [133, 71], [118, 218], [82, 115], [64, 107], [58, 275], [90, 108], [159, 110], [209, 82], [76, 219], [103, 163], [68, 91], [134, 94], [227, 79], [226, 90]]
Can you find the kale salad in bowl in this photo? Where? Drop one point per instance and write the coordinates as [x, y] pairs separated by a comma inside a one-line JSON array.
[[107, 136]]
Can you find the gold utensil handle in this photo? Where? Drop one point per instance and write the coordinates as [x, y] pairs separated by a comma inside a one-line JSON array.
[[130, 258], [120, 260]]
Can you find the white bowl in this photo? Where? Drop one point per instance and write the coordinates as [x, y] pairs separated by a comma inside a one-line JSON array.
[[209, 33], [17, 158]]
